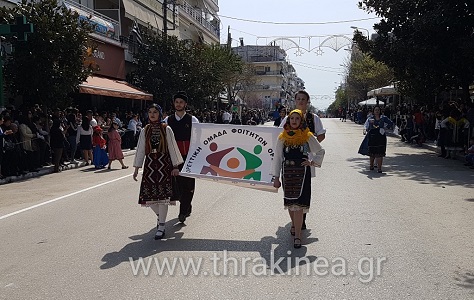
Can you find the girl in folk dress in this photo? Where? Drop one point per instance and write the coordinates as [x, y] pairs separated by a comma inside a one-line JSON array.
[[115, 146], [295, 152], [100, 159], [157, 147]]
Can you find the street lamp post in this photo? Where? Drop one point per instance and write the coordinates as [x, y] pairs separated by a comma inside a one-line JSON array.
[[357, 28]]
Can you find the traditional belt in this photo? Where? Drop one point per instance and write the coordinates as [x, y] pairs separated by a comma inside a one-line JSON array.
[[154, 151]]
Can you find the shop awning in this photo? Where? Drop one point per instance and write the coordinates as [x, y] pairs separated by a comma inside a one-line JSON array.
[[113, 88], [144, 15]]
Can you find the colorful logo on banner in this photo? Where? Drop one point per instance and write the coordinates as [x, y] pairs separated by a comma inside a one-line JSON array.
[[252, 162], [232, 154]]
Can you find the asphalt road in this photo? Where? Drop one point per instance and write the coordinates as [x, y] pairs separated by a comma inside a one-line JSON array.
[[404, 234]]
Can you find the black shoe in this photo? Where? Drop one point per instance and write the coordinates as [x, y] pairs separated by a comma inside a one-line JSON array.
[[303, 226], [182, 218], [297, 243], [159, 234]]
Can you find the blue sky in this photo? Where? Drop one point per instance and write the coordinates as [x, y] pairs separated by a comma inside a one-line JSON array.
[[321, 73]]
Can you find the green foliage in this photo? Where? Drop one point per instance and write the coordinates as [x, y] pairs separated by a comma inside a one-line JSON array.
[[341, 101], [167, 65], [50, 64], [429, 44], [365, 74]]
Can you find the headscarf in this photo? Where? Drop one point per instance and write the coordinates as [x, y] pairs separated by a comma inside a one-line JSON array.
[[295, 137], [155, 128]]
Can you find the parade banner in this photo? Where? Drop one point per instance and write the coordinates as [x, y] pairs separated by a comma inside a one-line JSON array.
[[232, 154]]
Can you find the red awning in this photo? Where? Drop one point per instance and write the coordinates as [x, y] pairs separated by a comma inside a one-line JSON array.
[[113, 88]]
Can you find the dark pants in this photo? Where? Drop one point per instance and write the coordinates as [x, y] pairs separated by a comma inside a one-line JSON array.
[[57, 154], [185, 188]]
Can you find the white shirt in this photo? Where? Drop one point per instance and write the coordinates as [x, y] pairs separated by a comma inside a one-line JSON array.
[[226, 116], [318, 125], [175, 155], [93, 122], [316, 154], [132, 125]]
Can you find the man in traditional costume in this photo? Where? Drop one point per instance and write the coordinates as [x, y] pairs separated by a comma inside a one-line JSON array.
[[181, 123]]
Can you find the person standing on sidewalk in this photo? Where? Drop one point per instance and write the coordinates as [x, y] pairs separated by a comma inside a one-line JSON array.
[[157, 148], [181, 123], [302, 101]]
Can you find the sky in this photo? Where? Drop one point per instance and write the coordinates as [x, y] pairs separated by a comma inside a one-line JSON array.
[[322, 73]]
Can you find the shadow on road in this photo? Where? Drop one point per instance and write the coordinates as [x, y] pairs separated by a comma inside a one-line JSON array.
[[283, 255], [425, 167], [465, 280]]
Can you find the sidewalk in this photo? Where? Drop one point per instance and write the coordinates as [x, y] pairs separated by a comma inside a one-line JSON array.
[[49, 169]]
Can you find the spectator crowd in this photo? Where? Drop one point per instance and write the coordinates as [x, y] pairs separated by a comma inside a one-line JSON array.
[[32, 138]]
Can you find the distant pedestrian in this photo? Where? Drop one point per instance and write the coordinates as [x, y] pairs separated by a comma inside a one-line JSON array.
[[375, 127], [84, 137], [57, 140], [115, 146]]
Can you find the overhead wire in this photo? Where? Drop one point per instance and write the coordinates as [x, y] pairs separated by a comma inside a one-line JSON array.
[[298, 23]]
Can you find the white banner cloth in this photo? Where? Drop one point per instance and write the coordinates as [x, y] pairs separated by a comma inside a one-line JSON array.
[[232, 154]]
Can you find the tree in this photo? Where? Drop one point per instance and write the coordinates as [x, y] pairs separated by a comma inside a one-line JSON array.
[[167, 65], [365, 74], [429, 44], [241, 82], [50, 65], [341, 101]]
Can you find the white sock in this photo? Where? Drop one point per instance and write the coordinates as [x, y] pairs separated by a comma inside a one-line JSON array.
[[162, 212]]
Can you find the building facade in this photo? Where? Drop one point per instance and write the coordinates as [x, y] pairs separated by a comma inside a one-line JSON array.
[[275, 79]]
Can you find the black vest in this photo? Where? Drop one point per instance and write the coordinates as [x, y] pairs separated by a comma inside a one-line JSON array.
[[310, 121], [181, 128]]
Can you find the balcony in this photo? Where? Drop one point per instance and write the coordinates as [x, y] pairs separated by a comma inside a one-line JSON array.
[[130, 45], [273, 73], [101, 24], [196, 15], [265, 59]]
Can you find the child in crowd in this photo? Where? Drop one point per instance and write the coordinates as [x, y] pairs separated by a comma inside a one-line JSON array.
[[100, 159], [115, 148]]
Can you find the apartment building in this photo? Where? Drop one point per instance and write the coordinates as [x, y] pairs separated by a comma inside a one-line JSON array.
[[275, 79], [198, 21]]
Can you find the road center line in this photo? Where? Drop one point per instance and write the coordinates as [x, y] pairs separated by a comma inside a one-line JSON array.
[[62, 197]]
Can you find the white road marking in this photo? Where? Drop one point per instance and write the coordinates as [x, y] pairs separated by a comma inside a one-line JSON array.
[[62, 197]]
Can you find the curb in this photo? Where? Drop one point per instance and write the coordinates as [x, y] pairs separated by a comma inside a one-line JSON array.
[[49, 170]]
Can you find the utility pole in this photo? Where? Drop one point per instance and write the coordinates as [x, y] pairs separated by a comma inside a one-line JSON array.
[[165, 18]]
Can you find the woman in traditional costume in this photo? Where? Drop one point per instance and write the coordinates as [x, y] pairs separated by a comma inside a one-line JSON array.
[[374, 127], [157, 147], [296, 151]]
